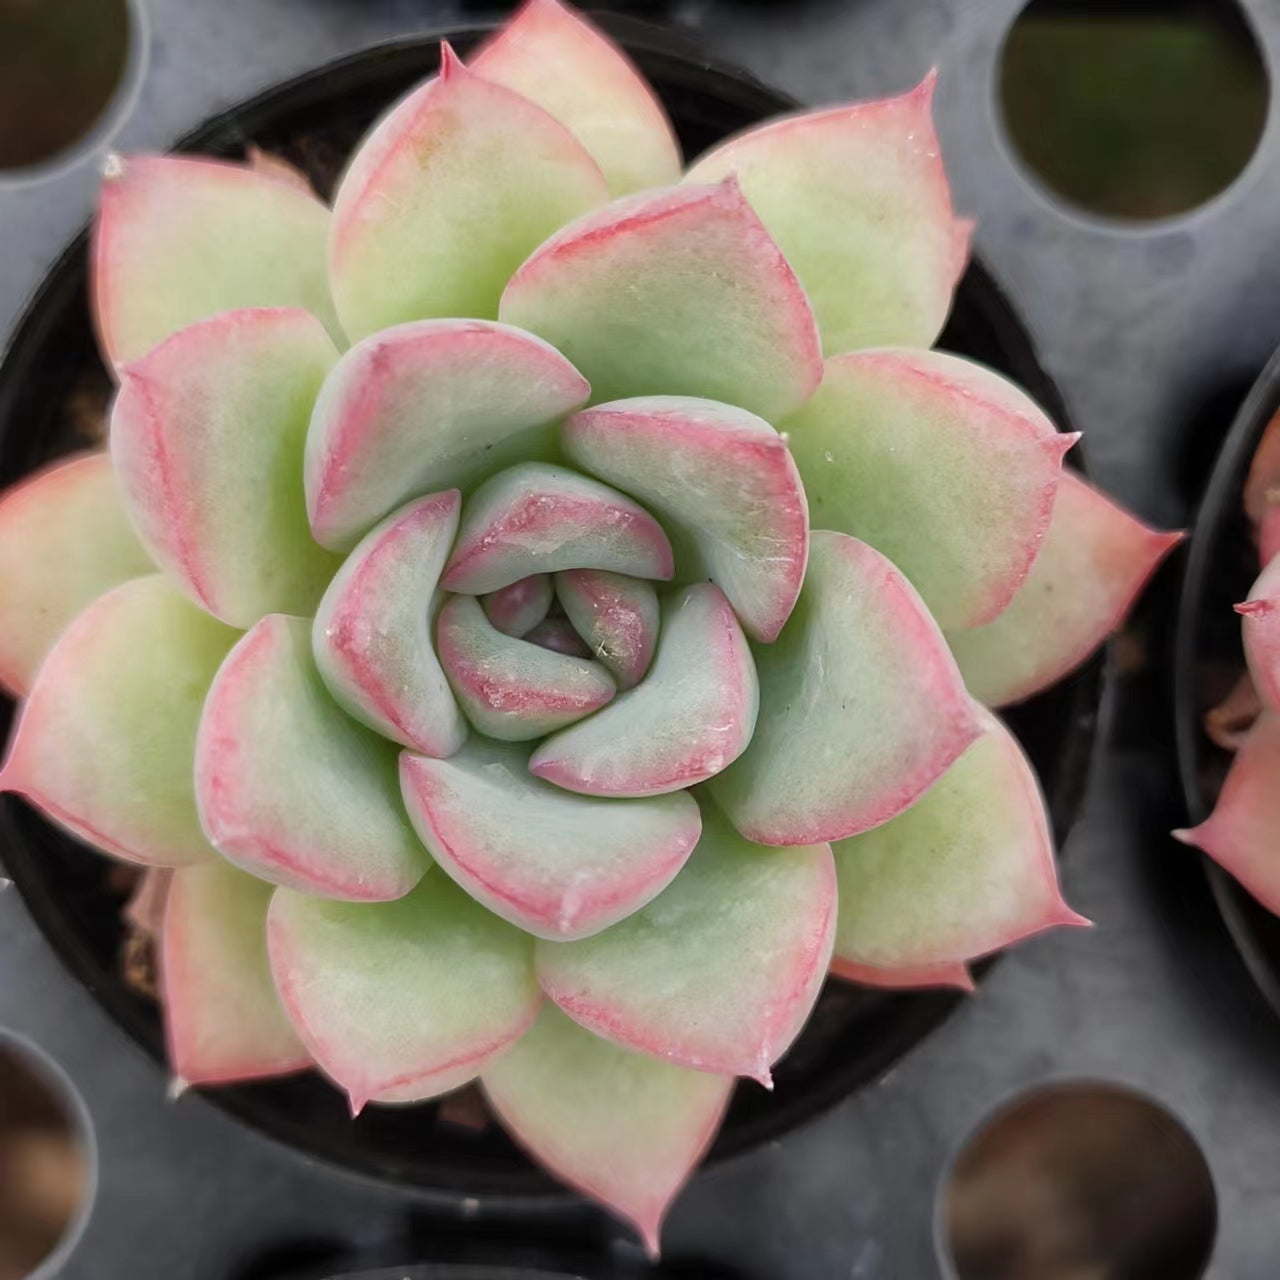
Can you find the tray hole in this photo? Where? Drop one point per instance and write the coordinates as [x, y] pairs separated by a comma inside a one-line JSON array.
[[1136, 110], [1079, 1181]]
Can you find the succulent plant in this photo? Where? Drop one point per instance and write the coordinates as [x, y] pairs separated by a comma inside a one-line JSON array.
[[541, 608]]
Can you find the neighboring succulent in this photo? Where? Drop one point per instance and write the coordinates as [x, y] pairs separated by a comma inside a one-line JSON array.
[[482, 506]]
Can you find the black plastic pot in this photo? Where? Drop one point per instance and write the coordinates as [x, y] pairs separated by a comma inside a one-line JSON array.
[[52, 388]]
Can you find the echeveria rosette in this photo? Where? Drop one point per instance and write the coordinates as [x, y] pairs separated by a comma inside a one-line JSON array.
[[451, 540]]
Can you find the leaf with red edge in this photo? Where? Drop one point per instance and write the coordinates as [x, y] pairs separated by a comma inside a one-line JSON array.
[[858, 200], [616, 616], [1094, 561], [449, 193], [105, 742], [674, 292], [552, 863], [405, 1000], [1261, 631], [862, 708], [179, 238], [64, 540], [720, 971], [223, 1019], [292, 789], [952, 974], [941, 464], [207, 436], [518, 608], [556, 58], [622, 1128]]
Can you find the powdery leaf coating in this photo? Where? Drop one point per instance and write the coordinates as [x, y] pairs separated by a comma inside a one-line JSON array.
[[861, 706], [372, 633], [512, 689], [1240, 833], [558, 635], [554, 57], [223, 1019], [64, 540], [536, 518], [616, 616], [554, 864], [858, 200], [435, 404], [688, 719], [711, 307], [1261, 632], [950, 974], [941, 464], [516, 609], [405, 1000], [105, 741], [207, 435], [724, 485], [1094, 561], [622, 1128], [290, 788], [967, 869], [179, 239], [449, 193], [719, 972]]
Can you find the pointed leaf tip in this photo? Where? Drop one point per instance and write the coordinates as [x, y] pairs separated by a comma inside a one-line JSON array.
[[450, 64]]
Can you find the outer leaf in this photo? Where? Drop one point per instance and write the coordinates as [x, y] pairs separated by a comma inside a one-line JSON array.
[[511, 689], [64, 540], [222, 1016], [720, 971], [952, 974], [535, 518], [711, 307], [1094, 561], [617, 616], [372, 635], [179, 239], [557, 59], [725, 486], [621, 1127], [1262, 487], [861, 706], [453, 188], [207, 436], [105, 741], [516, 609], [290, 788], [557, 865], [437, 404], [1261, 630], [690, 717], [940, 464], [858, 200], [403, 1000], [968, 869]]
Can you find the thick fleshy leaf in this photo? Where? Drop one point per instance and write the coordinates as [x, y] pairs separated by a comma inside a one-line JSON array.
[[1240, 833], [858, 200], [620, 1127], [555, 864], [558, 635], [207, 436], [452, 190], [535, 518], [952, 974], [861, 706], [511, 689], [291, 788], [1269, 535], [675, 292], [969, 868], [683, 723], [941, 464], [616, 615], [105, 741], [436, 404], [403, 1000], [1095, 559], [223, 1019], [719, 972], [1262, 486], [517, 609], [64, 540], [179, 239], [724, 485], [1261, 631], [372, 634], [557, 59]]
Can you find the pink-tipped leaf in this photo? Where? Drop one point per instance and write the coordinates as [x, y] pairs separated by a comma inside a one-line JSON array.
[[616, 616], [516, 609]]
